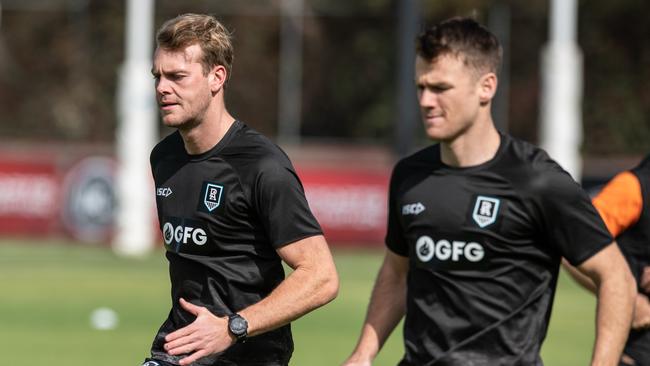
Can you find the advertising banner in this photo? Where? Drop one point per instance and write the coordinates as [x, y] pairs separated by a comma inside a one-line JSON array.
[[350, 205], [29, 197], [78, 200]]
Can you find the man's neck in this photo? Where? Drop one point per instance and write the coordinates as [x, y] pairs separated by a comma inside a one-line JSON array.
[[475, 146], [207, 133]]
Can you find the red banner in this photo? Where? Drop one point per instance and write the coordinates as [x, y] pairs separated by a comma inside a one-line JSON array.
[[350, 205], [78, 200], [29, 197]]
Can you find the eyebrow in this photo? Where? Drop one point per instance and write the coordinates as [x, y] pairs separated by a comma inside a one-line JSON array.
[[170, 72], [437, 84]]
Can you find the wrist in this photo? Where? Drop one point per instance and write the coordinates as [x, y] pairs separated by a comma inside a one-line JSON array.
[[237, 328], [363, 355]]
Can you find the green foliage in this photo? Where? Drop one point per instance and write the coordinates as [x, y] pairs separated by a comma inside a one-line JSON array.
[[50, 289], [59, 67], [614, 39]]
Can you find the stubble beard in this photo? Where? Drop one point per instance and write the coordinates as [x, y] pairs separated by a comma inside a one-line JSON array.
[[445, 133]]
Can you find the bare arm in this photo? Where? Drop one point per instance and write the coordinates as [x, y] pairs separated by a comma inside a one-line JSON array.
[[387, 307], [620, 204], [582, 279], [616, 291], [641, 318], [313, 283]]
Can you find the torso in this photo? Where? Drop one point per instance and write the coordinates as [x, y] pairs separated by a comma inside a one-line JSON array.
[[483, 264], [213, 216]]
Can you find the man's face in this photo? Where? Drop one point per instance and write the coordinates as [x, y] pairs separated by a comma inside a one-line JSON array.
[[182, 89], [448, 94]]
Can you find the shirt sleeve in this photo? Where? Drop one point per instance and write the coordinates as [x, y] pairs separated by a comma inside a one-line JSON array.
[[395, 240], [570, 222], [620, 202], [280, 201]]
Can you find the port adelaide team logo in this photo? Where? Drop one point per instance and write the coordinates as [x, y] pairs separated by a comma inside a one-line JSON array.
[[211, 196], [485, 210]]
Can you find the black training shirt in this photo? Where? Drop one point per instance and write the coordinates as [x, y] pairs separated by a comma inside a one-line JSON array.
[[223, 214], [484, 246]]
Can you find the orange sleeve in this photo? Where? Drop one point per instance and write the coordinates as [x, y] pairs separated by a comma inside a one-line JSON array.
[[620, 202]]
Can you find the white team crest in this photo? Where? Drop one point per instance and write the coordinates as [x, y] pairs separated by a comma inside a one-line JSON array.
[[485, 210], [212, 196]]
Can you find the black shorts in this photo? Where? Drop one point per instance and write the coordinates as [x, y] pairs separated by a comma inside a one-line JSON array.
[[638, 347], [154, 362]]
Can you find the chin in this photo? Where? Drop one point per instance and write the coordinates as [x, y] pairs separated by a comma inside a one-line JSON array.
[[171, 122], [179, 124], [436, 134]]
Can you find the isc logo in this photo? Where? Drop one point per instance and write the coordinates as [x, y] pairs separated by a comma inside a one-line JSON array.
[[413, 209], [183, 234], [163, 191], [444, 250]]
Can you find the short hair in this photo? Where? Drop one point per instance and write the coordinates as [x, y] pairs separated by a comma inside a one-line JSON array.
[[464, 38], [202, 29]]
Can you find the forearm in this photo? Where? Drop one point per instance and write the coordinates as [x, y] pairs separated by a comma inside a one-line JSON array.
[[584, 281], [387, 307], [384, 313], [297, 295], [616, 291], [313, 283], [616, 297]]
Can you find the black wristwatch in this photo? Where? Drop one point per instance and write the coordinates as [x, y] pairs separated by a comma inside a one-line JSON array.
[[238, 326]]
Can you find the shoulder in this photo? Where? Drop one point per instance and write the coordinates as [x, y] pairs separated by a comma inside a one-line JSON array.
[[642, 173], [255, 153], [645, 162], [532, 170], [524, 155], [623, 183], [428, 157], [523, 158], [643, 168], [250, 142], [169, 145]]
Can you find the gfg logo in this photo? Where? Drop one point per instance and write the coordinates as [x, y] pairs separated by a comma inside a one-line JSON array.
[[183, 234], [443, 250]]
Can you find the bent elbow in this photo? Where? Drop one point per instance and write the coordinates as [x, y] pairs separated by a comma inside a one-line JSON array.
[[329, 288], [334, 287]]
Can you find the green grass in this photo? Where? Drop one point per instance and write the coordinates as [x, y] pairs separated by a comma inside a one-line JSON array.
[[49, 290]]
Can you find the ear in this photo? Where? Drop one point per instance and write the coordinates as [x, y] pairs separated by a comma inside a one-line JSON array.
[[487, 87], [217, 78]]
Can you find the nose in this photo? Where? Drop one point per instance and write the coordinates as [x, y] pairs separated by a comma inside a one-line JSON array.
[[162, 86], [427, 98]]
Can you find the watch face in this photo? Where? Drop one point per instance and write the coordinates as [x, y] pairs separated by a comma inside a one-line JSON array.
[[238, 325]]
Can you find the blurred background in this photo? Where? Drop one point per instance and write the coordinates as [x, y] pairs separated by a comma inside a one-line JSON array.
[[331, 83]]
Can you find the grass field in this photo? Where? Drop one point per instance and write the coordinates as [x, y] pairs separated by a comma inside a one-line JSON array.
[[49, 290]]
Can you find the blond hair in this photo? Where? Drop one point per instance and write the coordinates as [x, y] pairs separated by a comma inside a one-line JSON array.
[[202, 29]]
